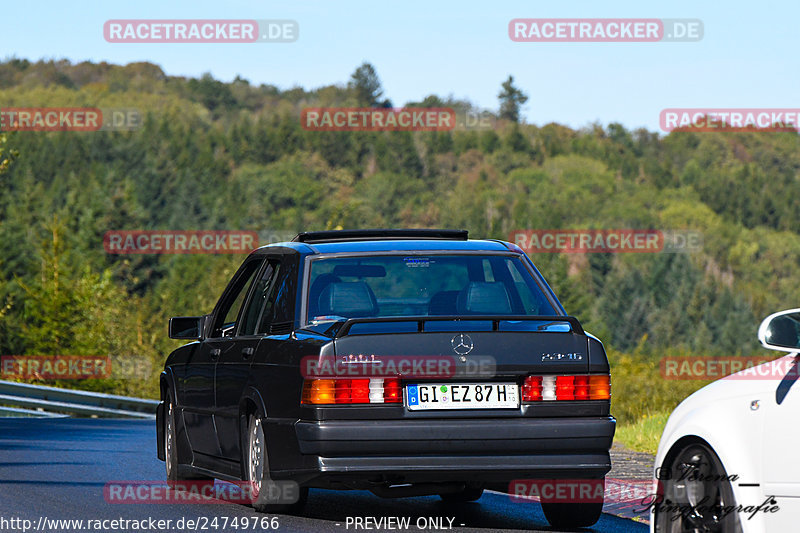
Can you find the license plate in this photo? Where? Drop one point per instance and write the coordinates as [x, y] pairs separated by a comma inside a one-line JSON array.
[[462, 396]]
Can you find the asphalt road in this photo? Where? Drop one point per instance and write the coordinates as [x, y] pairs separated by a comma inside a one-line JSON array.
[[56, 469]]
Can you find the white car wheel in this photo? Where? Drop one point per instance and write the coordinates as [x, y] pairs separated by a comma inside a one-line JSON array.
[[695, 481]]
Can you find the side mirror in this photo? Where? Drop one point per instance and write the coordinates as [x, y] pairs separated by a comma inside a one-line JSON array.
[[781, 331], [186, 327]]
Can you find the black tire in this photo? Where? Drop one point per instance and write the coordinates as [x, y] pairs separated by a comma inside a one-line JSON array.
[[689, 476], [572, 515], [256, 469], [171, 461], [469, 494]]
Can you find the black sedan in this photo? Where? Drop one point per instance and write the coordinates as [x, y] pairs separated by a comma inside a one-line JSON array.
[[405, 362]]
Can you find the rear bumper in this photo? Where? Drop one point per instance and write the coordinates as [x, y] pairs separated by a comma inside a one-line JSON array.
[[462, 449]]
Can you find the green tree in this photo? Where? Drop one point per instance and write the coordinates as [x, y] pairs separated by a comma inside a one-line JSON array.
[[366, 86], [511, 99], [7, 155], [213, 94]]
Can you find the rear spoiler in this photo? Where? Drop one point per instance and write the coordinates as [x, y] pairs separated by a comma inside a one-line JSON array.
[[495, 319]]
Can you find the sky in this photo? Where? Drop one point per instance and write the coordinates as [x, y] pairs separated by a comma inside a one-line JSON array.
[[746, 59]]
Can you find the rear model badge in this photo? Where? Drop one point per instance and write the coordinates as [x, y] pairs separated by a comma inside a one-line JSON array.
[[462, 344], [562, 357]]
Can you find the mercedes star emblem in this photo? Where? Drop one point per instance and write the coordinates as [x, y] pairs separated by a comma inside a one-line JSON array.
[[462, 344]]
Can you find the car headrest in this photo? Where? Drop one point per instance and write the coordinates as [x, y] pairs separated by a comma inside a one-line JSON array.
[[443, 303], [481, 297], [349, 299]]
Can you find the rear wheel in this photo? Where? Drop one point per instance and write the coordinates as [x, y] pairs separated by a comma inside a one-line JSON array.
[[257, 471], [695, 480], [572, 515], [468, 494]]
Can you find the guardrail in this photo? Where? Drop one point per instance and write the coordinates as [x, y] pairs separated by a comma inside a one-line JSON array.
[[47, 400], [27, 413]]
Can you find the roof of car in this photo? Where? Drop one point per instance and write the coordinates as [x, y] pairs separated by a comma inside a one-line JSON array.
[[405, 245], [387, 240]]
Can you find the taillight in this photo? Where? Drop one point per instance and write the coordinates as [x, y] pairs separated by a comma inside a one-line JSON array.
[[391, 391], [565, 387], [532, 389], [600, 387], [351, 391], [319, 391], [548, 388], [580, 389]]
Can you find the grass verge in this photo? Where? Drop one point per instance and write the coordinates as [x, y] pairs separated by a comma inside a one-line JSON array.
[[642, 399], [643, 435]]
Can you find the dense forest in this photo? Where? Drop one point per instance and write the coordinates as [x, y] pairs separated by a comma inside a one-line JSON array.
[[233, 156]]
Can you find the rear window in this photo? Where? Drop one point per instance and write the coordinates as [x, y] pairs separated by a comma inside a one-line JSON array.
[[435, 285]]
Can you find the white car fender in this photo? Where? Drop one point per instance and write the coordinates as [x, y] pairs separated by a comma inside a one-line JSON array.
[[720, 415]]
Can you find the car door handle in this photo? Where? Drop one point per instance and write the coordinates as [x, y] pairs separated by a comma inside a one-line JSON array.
[[247, 352], [215, 353]]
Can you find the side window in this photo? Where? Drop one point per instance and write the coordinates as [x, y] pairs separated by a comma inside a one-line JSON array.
[[230, 307], [278, 312], [259, 301], [534, 302]]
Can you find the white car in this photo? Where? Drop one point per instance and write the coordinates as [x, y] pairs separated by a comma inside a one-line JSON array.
[[729, 457]]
